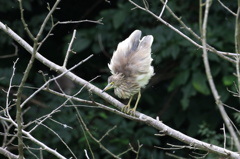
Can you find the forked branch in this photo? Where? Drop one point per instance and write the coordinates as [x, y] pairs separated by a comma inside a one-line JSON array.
[[139, 116]]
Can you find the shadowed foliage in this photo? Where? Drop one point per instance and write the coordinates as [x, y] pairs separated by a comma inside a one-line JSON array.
[[178, 93]]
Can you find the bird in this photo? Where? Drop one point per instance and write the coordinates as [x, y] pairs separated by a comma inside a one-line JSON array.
[[131, 68]]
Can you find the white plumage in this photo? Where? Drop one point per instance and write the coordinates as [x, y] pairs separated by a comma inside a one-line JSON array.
[[131, 67]]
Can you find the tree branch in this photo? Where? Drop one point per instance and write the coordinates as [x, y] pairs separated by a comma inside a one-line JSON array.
[[210, 48], [139, 116], [210, 78], [7, 153], [229, 10]]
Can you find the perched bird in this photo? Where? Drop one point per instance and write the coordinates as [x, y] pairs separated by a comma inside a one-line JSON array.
[[131, 68]]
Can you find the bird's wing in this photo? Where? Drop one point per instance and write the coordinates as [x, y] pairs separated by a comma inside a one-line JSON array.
[[133, 56], [140, 61], [124, 50]]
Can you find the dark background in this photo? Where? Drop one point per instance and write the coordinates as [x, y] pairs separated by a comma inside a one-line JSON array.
[[179, 93]]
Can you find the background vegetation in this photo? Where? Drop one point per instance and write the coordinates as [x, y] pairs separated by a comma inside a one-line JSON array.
[[178, 94]]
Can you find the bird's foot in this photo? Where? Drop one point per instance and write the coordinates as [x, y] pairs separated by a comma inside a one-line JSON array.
[[126, 109], [132, 112]]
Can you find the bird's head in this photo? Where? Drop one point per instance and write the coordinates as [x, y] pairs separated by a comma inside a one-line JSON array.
[[114, 81]]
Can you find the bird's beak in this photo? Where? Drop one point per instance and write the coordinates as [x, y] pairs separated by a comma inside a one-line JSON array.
[[109, 86]]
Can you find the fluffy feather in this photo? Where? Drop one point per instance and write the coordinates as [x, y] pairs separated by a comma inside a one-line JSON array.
[[133, 58]]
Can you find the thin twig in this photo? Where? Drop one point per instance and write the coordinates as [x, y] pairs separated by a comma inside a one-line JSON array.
[[11, 55], [59, 139], [81, 21], [139, 116], [237, 46], [90, 134], [46, 83], [219, 53], [224, 136], [45, 147], [46, 19], [174, 156], [26, 73], [107, 133], [224, 6], [56, 109], [8, 92], [85, 151], [69, 49], [88, 144], [231, 108], [210, 48], [164, 5], [24, 22]]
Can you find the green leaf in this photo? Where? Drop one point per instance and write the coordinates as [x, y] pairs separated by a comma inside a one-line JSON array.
[[200, 84], [5, 75], [119, 18], [215, 70], [103, 115], [228, 80], [188, 91], [174, 51], [180, 79], [213, 57], [81, 44]]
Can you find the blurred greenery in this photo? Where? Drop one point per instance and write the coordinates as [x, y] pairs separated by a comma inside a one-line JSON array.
[[179, 92]]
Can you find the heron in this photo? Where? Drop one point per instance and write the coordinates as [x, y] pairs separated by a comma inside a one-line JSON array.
[[131, 68]]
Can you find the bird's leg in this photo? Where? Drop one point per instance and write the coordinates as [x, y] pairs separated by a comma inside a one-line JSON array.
[[126, 108], [133, 110]]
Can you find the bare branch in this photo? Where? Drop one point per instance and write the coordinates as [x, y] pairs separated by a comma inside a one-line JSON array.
[[23, 20], [44, 147], [7, 153], [107, 133], [229, 10], [46, 19], [210, 48], [69, 49], [85, 151], [11, 55], [81, 21], [237, 46], [210, 78], [8, 94], [219, 53], [164, 5], [139, 116], [53, 79], [90, 134], [224, 136], [59, 139]]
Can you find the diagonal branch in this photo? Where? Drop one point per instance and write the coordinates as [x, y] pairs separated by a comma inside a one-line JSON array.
[[43, 146], [8, 154], [140, 117], [210, 48], [229, 10]]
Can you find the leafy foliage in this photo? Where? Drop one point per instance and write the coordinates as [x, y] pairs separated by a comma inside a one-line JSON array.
[[179, 93]]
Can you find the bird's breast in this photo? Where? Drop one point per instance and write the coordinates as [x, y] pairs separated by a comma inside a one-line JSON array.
[[126, 92]]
